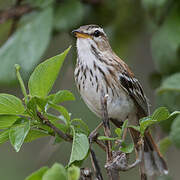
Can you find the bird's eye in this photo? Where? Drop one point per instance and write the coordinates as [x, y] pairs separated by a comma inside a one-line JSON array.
[[96, 33]]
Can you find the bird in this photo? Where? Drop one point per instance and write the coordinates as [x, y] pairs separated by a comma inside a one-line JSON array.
[[99, 68]]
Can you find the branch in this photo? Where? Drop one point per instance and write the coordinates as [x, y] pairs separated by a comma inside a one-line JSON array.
[[93, 137], [106, 124], [86, 173], [115, 161], [13, 12], [112, 173], [62, 135], [95, 165], [120, 162]]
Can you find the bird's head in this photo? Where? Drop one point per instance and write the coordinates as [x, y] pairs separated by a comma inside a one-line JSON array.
[[92, 35]]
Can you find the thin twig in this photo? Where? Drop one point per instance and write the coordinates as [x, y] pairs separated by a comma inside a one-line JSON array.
[[64, 136], [14, 12], [106, 124], [100, 144], [93, 134], [116, 161], [95, 165], [86, 173], [112, 173], [15, 19], [93, 137]]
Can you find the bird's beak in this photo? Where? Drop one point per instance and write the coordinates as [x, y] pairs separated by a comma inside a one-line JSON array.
[[79, 34]]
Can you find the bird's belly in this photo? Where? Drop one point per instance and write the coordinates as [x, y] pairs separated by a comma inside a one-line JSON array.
[[119, 106]]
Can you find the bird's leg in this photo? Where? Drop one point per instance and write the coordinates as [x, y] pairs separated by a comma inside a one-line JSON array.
[[106, 124]]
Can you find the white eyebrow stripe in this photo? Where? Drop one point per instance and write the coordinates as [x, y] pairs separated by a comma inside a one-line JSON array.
[[93, 30]]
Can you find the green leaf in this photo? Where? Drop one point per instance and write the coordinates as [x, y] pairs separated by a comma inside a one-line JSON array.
[[32, 107], [166, 125], [169, 99], [165, 44], [73, 173], [26, 46], [56, 172], [137, 128], [124, 126], [4, 28], [127, 148], [63, 15], [36, 103], [23, 88], [35, 134], [62, 127], [62, 96], [17, 135], [118, 131], [10, 104], [40, 3], [55, 121], [160, 114], [164, 144], [174, 113], [80, 147], [4, 136], [45, 74], [7, 121], [105, 138], [62, 110], [175, 132], [41, 102], [43, 127], [54, 118], [37, 175], [83, 125], [172, 83], [144, 123], [58, 139]]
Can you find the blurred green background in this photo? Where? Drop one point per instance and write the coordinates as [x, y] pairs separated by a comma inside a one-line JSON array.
[[144, 33]]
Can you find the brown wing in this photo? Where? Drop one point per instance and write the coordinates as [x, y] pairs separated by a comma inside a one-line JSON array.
[[132, 86]]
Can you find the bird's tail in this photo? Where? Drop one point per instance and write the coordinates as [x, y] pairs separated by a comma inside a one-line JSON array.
[[152, 160]]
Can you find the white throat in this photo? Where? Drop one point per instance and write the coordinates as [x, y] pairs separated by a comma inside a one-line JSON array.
[[85, 55]]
